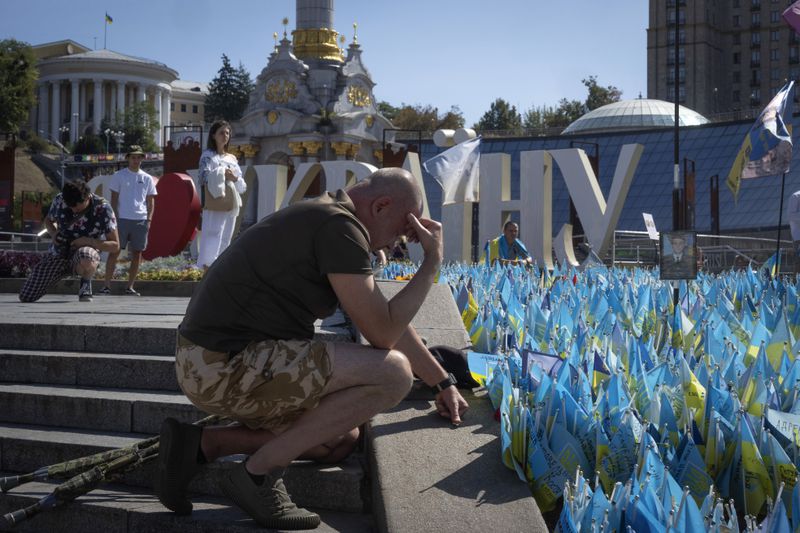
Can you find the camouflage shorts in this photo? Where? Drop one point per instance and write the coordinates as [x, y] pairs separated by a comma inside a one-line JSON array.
[[267, 385]]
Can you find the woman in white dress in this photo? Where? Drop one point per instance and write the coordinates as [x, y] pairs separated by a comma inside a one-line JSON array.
[[220, 175]]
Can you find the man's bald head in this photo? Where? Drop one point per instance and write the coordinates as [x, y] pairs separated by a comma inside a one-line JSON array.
[[383, 201], [396, 183]]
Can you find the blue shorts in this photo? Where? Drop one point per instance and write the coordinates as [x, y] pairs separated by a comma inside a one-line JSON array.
[[133, 232]]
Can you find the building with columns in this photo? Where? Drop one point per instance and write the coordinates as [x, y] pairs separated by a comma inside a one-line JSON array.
[[78, 88]]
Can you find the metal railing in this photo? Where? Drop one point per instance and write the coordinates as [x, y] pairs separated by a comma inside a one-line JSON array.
[[718, 252], [28, 242]]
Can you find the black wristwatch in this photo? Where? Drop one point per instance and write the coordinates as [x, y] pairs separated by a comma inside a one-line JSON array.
[[449, 381]]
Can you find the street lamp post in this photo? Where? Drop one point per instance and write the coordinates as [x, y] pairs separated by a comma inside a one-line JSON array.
[[716, 105], [63, 130], [118, 137], [108, 135]]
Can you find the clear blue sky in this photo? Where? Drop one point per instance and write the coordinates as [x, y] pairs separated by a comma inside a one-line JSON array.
[[439, 52]]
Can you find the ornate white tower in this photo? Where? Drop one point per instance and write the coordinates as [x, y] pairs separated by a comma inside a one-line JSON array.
[[313, 102]]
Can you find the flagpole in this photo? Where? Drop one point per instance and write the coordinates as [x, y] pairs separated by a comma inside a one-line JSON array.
[[780, 221], [105, 30]]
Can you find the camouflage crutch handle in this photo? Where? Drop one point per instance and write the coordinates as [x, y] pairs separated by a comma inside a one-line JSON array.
[[68, 469], [124, 460]]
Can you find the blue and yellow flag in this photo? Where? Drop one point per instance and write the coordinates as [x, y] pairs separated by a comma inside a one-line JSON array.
[[767, 149], [109, 20], [470, 310], [771, 265], [751, 482], [601, 373]]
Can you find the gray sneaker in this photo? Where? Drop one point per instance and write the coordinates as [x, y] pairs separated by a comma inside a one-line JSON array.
[[268, 504], [85, 292]]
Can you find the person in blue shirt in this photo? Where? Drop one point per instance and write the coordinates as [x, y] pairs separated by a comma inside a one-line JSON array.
[[507, 248]]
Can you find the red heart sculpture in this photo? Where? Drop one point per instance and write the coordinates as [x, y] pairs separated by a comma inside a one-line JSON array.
[[177, 210]]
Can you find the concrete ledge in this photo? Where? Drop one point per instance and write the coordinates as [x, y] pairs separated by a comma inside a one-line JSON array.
[[429, 476], [438, 320], [182, 289]]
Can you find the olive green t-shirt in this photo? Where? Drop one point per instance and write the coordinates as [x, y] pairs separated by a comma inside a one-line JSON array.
[[272, 281]]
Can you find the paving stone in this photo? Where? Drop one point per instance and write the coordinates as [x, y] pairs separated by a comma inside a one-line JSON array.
[[122, 509], [24, 449], [433, 477]]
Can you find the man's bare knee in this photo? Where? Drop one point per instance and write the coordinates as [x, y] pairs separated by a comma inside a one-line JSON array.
[[397, 376]]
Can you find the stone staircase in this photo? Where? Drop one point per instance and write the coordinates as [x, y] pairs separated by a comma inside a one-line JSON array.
[[70, 388], [77, 378]]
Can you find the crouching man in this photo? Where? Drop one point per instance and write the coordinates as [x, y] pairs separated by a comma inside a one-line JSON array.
[[246, 347], [81, 225]]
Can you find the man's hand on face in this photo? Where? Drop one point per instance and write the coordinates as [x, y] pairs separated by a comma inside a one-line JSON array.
[[428, 233], [450, 404]]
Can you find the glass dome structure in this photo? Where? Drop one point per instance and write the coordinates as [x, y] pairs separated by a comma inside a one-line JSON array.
[[641, 113]]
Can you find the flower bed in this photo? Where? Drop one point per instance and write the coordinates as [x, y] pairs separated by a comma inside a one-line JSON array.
[[175, 268], [19, 264]]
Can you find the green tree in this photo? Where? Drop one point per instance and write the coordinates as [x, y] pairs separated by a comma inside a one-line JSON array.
[[453, 119], [545, 117], [387, 110], [139, 124], [568, 111], [538, 118], [228, 93], [501, 116], [89, 144], [17, 83], [245, 82], [421, 117], [599, 96]]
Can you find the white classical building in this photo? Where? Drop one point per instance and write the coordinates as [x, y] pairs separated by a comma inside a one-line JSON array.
[[78, 88]]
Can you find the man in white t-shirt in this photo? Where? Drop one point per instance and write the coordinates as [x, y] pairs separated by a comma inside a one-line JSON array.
[[133, 193]]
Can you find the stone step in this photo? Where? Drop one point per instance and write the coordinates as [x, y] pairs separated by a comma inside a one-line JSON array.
[[144, 372], [112, 324], [89, 337], [119, 509], [93, 408], [136, 372], [26, 448]]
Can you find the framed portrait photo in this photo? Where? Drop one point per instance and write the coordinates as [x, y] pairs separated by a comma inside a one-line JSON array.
[[678, 255]]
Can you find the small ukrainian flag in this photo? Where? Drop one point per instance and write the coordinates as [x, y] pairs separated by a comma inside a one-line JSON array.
[[109, 20]]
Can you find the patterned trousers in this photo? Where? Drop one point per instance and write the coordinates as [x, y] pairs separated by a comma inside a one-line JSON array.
[[51, 269]]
